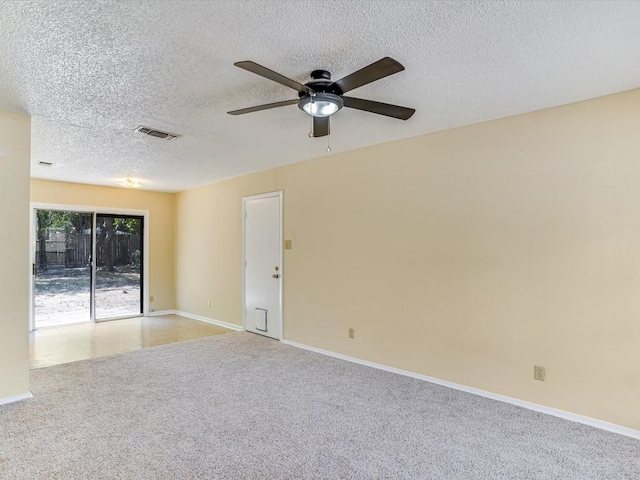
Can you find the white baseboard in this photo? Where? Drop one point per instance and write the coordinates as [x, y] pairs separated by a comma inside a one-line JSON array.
[[15, 398], [213, 321], [160, 313], [574, 417]]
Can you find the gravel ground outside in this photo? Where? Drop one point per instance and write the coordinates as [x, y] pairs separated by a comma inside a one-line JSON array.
[[62, 295]]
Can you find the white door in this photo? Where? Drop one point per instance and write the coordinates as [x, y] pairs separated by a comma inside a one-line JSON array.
[[263, 264]]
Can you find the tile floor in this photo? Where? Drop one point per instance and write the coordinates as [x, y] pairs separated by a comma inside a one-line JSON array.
[[52, 346]]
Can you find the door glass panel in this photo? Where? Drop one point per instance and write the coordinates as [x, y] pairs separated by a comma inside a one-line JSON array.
[[118, 283], [62, 267]]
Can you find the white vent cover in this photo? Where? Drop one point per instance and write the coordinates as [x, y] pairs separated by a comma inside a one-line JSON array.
[[157, 133]]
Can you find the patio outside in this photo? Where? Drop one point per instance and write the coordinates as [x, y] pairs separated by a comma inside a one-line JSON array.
[[63, 273]]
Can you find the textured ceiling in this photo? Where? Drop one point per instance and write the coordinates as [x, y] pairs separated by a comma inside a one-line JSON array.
[[89, 72]]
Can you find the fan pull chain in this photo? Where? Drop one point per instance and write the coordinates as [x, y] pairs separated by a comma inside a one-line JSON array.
[[311, 118], [328, 144]]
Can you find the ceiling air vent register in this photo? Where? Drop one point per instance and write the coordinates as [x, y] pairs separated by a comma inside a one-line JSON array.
[[152, 132]]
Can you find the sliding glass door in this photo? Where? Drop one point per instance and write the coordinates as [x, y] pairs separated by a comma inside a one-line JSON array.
[[62, 267], [118, 273], [87, 266]]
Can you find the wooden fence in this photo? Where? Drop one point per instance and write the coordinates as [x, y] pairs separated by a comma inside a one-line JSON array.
[[75, 251]]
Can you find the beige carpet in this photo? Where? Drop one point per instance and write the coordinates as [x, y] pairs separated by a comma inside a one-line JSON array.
[[239, 406]]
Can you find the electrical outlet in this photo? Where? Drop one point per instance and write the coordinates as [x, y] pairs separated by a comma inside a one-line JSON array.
[[288, 245], [538, 373], [151, 298], [208, 303], [352, 333]]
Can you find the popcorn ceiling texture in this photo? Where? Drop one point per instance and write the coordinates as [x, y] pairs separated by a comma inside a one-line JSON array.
[[89, 72]]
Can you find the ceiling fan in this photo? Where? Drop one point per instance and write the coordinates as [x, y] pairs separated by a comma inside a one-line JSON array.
[[321, 97]]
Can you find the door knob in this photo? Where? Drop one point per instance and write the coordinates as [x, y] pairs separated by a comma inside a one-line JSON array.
[[276, 275]]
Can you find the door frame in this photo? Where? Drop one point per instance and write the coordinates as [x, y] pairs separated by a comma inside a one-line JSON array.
[[93, 210], [280, 195], [94, 275]]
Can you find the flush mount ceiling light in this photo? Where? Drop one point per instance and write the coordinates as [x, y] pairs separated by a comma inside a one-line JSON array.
[[130, 183], [321, 104]]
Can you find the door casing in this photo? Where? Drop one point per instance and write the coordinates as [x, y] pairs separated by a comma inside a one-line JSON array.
[[86, 208]]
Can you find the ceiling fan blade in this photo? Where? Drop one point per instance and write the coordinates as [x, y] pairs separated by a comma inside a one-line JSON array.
[[395, 111], [271, 75], [266, 106], [377, 70], [320, 126]]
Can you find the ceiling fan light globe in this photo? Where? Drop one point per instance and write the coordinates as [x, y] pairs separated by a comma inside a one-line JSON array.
[[320, 108], [321, 104]]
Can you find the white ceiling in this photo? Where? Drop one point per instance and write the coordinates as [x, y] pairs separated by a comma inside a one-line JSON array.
[[89, 72]]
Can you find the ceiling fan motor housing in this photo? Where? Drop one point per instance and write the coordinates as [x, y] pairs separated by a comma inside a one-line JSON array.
[[320, 74], [326, 98], [321, 82]]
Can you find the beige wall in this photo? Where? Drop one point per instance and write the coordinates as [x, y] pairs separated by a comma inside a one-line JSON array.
[[209, 245], [469, 255], [161, 225], [15, 139]]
